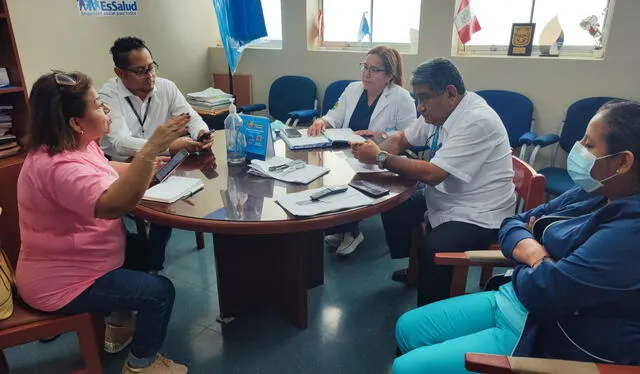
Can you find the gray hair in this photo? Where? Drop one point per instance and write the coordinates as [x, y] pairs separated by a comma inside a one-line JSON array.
[[438, 73]]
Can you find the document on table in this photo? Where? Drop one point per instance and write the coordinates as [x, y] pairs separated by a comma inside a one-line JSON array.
[[359, 167], [343, 135], [173, 189], [300, 203], [287, 170]]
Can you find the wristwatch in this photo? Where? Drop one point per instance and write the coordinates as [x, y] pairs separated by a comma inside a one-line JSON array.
[[381, 159]]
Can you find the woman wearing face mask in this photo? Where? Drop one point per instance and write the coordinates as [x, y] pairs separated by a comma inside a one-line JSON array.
[[575, 293], [375, 105]]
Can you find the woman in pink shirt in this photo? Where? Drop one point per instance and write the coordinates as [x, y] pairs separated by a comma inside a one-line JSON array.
[[71, 200]]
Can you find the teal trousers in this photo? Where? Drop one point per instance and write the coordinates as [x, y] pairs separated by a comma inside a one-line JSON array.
[[435, 337]]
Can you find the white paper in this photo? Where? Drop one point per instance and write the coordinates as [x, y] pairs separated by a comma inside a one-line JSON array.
[[361, 168], [343, 135], [173, 189], [304, 175], [208, 94], [349, 199]]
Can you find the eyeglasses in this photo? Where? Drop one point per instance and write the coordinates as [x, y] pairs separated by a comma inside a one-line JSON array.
[[371, 69], [142, 72], [63, 79]]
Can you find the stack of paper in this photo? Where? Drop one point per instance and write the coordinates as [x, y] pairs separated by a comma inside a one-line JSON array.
[[287, 170], [173, 189], [8, 143], [5, 119], [300, 203], [209, 99], [344, 135]]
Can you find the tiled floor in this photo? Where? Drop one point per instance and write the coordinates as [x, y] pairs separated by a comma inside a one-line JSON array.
[[351, 320]]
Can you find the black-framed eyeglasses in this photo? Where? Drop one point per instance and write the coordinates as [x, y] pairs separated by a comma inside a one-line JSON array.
[[371, 69], [63, 79], [142, 72]]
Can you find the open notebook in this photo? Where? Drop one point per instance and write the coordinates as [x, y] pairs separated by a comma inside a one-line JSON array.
[[173, 189], [328, 138]]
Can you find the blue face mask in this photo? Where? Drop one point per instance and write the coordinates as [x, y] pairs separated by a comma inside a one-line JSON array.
[[579, 165]]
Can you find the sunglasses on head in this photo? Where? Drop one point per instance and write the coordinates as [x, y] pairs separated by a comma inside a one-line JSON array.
[[63, 79]]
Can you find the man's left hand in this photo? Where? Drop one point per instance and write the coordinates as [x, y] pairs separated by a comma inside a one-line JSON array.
[[365, 152]]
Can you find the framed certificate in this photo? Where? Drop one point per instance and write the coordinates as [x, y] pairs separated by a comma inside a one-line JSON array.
[[521, 41]]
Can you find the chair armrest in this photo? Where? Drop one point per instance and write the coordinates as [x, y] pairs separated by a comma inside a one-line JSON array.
[[485, 256], [482, 363], [545, 140], [303, 115], [527, 138], [251, 108], [461, 259], [494, 364]]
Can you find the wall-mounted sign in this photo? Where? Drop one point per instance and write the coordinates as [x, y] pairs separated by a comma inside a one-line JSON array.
[[97, 8]]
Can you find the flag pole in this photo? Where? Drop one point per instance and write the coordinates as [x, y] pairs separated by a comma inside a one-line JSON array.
[[231, 82]]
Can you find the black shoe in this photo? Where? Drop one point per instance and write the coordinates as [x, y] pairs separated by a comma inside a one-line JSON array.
[[401, 276]]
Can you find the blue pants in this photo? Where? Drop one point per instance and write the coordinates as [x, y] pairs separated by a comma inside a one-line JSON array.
[[435, 337], [158, 238], [122, 289]]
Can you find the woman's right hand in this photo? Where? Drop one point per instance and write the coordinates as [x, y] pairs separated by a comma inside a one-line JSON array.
[[317, 127], [167, 132]]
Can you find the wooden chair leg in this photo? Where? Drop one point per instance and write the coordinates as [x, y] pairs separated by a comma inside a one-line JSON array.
[[4, 366], [487, 273], [199, 240], [459, 280], [141, 227], [91, 345]]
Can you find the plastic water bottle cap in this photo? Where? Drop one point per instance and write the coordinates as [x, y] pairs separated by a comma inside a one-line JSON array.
[[232, 107]]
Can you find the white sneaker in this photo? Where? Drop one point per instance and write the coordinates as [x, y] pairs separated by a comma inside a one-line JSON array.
[[334, 240], [349, 244]]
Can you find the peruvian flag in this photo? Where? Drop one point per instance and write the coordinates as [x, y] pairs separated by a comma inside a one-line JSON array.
[[466, 22]]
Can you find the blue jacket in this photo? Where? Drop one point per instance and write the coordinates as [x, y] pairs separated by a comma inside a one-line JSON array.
[[586, 305]]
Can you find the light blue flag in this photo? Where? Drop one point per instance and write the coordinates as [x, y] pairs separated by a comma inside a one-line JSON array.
[[240, 22], [364, 28]]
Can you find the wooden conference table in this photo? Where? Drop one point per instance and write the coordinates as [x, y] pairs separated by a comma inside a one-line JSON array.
[[264, 255]]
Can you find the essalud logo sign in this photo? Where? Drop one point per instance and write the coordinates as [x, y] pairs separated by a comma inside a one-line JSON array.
[[108, 8]]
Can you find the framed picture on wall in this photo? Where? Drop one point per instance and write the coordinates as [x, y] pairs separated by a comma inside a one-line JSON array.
[[521, 41]]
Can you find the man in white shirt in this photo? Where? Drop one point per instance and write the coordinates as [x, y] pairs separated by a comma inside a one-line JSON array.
[[139, 102], [467, 173]]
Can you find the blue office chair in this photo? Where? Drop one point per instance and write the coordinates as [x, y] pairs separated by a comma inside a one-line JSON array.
[[516, 112], [332, 94], [575, 123], [291, 99]]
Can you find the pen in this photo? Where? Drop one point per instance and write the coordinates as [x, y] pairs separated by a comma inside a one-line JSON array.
[[190, 194]]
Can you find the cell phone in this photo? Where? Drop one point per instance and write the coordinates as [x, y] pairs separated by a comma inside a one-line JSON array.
[[205, 136], [369, 188], [292, 133], [209, 171], [171, 165]]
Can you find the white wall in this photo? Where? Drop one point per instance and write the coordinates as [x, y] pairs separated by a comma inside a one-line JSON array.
[[552, 84], [52, 34]]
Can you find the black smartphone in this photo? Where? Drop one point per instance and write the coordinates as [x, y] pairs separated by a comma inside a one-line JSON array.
[[292, 133], [369, 188], [205, 136], [171, 165], [209, 171]]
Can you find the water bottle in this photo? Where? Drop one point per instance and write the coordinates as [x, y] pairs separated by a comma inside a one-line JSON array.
[[236, 141]]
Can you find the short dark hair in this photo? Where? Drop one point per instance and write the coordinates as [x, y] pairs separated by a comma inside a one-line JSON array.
[[438, 73], [122, 47], [51, 106], [622, 126]]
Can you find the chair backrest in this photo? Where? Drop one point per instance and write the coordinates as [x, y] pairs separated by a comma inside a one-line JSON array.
[[289, 93], [577, 118], [515, 111], [529, 184], [332, 94]]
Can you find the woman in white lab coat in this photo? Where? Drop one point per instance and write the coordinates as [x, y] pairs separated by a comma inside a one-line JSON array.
[[374, 106]]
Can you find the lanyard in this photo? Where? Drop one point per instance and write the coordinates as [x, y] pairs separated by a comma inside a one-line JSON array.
[[434, 143], [140, 121]]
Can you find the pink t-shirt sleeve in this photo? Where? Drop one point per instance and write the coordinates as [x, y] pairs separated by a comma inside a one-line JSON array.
[[86, 182]]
